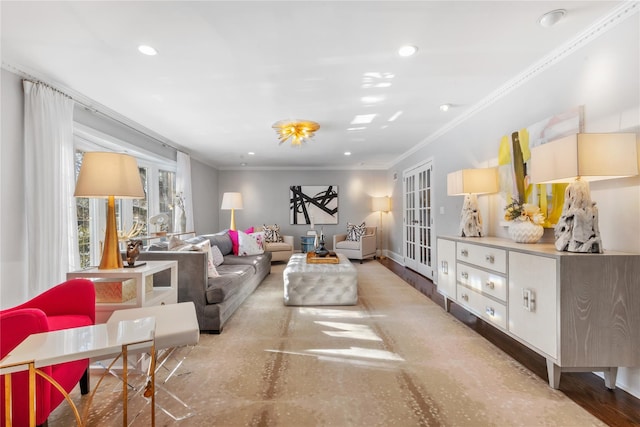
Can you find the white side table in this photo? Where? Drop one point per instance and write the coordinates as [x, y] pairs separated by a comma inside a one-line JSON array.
[[87, 342], [159, 296]]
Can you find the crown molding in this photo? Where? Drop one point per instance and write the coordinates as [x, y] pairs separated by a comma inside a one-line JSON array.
[[600, 27]]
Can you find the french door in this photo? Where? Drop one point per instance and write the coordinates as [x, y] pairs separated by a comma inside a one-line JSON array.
[[418, 239]]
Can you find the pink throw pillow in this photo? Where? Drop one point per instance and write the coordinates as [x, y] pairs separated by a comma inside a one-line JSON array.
[[233, 234]]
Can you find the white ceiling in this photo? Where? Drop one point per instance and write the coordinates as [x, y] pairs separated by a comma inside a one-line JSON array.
[[227, 70]]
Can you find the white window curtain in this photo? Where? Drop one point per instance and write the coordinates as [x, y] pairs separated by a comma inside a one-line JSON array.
[[183, 191], [50, 181]]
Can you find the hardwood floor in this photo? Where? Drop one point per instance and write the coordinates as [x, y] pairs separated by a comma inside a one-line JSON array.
[[616, 408]]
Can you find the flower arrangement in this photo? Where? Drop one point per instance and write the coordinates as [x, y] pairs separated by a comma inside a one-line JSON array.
[[518, 211]]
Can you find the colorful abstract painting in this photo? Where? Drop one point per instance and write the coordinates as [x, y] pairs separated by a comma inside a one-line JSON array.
[[313, 204], [514, 163]]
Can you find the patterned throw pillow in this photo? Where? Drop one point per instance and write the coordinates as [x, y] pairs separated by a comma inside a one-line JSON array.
[[272, 233], [355, 232], [250, 244]]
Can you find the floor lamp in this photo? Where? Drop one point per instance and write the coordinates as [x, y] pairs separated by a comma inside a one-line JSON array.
[[470, 183], [578, 159], [381, 204], [109, 175], [232, 201]]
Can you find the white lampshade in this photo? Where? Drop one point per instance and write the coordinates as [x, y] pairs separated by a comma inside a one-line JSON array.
[[381, 204], [472, 181], [109, 174], [588, 156], [231, 201]]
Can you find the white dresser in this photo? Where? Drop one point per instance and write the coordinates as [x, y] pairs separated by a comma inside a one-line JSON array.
[[580, 311]]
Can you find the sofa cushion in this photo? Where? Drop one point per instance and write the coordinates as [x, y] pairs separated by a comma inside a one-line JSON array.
[[348, 244], [277, 246], [231, 277], [158, 246], [221, 240]]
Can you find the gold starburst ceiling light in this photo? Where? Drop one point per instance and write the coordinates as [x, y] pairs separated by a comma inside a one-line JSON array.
[[298, 130]]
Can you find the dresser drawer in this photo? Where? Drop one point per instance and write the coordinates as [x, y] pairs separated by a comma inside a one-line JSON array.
[[482, 306], [483, 281], [483, 256]]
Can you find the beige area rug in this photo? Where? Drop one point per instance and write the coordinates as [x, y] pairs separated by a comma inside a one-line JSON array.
[[395, 359]]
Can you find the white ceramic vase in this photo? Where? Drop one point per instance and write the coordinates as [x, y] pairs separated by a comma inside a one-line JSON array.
[[525, 231]]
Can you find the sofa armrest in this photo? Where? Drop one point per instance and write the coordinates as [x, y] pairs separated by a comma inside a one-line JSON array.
[[76, 296], [368, 243], [288, 239]]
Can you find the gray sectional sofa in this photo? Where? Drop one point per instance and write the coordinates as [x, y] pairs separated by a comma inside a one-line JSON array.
[[215, 298]]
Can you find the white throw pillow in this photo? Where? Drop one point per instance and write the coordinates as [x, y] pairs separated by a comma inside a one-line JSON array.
[[250, 244], [218, 258]]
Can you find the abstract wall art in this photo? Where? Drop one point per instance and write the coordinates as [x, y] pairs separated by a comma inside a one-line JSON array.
[[313, 204], [514, 163]]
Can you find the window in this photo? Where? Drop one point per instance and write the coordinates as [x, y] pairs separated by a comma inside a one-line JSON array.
[[158, 182]]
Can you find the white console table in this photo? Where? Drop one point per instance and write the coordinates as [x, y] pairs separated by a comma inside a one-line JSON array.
[[579, 311], [159, 296]]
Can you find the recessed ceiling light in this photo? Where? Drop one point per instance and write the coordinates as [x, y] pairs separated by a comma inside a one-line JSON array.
[[372, 99], [357, 128], [550, 19], [147, 50], [395, 116], [407, 50], [362, 119], [445, 107], [251, 153], [347, 153]]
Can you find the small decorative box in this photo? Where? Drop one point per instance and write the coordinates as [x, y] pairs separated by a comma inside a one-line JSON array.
[[115, 290]]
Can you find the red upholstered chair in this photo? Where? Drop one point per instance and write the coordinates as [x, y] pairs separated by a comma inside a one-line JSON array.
[[68, 305]]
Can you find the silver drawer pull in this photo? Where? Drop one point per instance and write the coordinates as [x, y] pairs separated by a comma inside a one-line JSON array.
[[489, 284], [490, 311], [464, 252], [490, 259], [464, 275], [444, 265], [464, 297]]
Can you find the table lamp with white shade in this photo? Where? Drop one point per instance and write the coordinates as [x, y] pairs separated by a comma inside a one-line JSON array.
[[110, 176], [232, 201], [578, 159], [470, 183]]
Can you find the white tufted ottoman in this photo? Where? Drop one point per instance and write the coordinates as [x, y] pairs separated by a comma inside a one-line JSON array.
[[320, 284]]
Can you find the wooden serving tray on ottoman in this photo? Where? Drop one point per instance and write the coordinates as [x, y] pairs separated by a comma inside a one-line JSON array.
[[332, 258]]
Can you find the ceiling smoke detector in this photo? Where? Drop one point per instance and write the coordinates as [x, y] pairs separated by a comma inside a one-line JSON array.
[[550, 19]]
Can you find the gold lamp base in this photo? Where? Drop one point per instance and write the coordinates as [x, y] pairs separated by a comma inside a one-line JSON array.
[[111, 258], [233, 220]]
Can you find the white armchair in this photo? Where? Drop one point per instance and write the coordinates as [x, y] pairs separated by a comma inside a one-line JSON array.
[[280, 251], [365, 248]]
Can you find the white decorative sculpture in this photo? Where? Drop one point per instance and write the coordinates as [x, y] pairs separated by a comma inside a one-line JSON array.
[[577, 229], [470, 220]]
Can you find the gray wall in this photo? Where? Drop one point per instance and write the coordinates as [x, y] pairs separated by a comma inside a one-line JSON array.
[[204, 184], [265, 196]]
